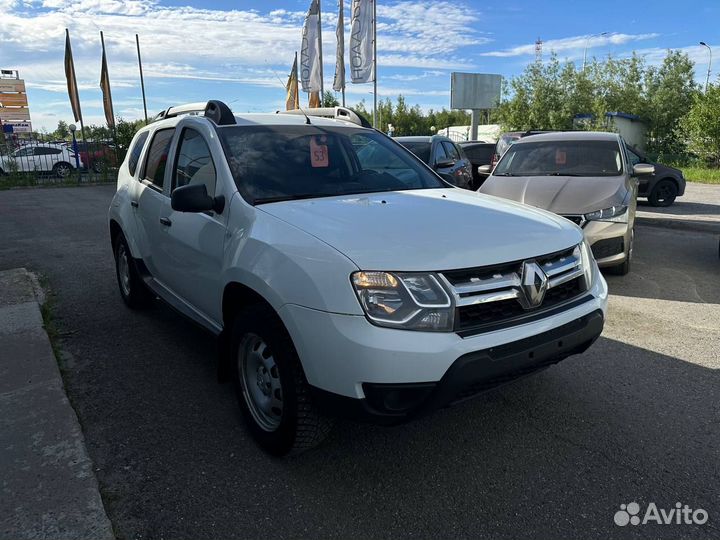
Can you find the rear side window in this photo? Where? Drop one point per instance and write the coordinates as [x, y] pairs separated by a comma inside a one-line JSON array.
[[136, 151], [451, 151], [157, 156], [45, 151]]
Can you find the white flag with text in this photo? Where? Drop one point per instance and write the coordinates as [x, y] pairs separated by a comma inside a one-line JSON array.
[[310, 69], [362, 33]]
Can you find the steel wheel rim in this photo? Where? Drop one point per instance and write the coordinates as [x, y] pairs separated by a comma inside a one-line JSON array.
[[665, 192], [123, 270], [260, 382]]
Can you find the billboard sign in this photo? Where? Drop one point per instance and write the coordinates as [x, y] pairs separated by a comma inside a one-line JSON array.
[[12, 85], [19, 127], [13, 100], [18, 114], [474, 90]]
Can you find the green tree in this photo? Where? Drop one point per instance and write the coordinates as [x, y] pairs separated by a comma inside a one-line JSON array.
[[702, 125], [671, 91], [62, 132], [329, 99]]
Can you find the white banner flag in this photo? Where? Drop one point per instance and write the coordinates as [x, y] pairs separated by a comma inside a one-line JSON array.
[[361, 41], [310, 69], [339, 81]]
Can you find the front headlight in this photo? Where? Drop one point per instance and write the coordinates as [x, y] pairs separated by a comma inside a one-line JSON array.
[[617, 214], [411, 301], [588, 264]]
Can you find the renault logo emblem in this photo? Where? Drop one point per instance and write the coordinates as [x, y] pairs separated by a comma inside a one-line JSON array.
[[534, 284]]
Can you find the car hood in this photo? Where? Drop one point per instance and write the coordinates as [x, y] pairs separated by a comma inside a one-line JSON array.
[[559, 194], [432, 229]]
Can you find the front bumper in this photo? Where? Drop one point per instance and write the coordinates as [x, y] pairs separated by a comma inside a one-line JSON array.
[[609, 241], [344, 356], [468, 376]]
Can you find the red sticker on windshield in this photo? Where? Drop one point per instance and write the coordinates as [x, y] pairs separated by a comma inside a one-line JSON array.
[[318, 153], [560, 157]]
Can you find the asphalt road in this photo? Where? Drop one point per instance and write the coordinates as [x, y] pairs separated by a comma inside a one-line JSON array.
[[636, 418]]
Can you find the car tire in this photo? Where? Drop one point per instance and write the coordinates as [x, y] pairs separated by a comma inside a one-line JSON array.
[[272, 392], [132, 289], [663, 194], [62, 170]]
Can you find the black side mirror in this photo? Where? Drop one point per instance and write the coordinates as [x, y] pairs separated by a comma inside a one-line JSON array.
[[194, 198], [444, 164]]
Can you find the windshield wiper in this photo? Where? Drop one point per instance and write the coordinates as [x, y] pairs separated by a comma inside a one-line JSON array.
[[505, 174], [281, 198], [562, 174]]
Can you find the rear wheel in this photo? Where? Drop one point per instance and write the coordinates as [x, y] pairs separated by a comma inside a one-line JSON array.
[[271, 388], [132, 289], [664, 193], [62, 169]]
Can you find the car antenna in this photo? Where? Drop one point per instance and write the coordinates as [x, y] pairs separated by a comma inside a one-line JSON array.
[[307, 118]]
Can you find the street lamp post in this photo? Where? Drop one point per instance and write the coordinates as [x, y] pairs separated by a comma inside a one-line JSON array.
[[587, 42], [707, 79]]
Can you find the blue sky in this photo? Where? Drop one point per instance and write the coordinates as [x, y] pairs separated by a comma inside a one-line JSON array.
[[241, 51]]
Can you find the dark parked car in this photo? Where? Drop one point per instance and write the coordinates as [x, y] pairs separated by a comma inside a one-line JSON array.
[[479, 153], [443, 156], [101, 155], [661, 188]]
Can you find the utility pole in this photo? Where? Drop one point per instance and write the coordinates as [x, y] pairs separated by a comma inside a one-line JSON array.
[[707, 79]]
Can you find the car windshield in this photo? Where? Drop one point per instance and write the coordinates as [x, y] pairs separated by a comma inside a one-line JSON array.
[[420, 149], [277, 163], [561, 158]]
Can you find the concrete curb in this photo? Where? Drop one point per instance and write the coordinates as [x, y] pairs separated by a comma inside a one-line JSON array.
[[680, 224], [47, 487]]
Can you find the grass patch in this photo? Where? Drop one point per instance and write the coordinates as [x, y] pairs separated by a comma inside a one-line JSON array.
[[702, 175]]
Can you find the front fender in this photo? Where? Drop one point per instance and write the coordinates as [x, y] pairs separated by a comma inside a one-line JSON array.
[[286, 265]]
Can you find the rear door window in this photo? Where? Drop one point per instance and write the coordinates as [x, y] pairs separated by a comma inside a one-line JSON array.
[[135, 152], [157, 156]]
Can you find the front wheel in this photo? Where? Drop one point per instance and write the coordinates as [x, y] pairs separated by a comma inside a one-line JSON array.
[[272, 392], [663, 194]]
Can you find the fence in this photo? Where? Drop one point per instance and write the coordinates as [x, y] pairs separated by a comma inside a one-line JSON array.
[[35, 159]]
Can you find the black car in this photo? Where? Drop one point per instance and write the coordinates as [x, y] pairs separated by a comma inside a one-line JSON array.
[[443, 156], [661, 188], [479, 153]]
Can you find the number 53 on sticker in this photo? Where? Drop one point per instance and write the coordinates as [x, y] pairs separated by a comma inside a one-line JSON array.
[[318, 154]]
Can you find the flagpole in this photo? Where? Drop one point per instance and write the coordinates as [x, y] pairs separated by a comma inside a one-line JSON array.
[[142, 80], [322, 83], [77, 93], [375, 114], [112, 111]]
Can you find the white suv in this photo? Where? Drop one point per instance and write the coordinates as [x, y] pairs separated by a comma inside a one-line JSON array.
[[339, 287]]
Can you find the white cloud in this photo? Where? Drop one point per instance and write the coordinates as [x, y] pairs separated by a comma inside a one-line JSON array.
[[571, 43]]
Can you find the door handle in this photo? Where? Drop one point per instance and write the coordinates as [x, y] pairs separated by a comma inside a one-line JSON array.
[[165, 221], [134, 204]]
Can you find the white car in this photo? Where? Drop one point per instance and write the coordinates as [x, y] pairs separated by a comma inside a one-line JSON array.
[[337, 288], [57, 159]]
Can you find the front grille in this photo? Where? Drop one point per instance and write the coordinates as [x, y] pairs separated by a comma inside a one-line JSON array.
[[508, 310], [492, 295]]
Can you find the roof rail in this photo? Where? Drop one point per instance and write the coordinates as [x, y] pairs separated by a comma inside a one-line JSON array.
[[337, 113], [214, 109]]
